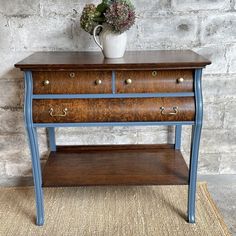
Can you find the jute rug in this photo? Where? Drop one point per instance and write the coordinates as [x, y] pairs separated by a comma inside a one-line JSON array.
[[109, 211]]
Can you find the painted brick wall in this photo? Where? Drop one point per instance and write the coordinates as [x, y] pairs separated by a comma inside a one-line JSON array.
[[206, 26]]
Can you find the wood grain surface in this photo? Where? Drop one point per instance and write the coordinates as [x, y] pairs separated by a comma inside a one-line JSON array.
[[113, 110], [166, 59], [71, 82], [115, 165], [108, 148], [154, 81]]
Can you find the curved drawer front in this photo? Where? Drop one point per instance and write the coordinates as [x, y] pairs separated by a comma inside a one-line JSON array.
[[113, 110], [154, 81], [82, 82]]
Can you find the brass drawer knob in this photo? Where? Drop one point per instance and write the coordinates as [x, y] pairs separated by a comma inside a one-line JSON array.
[[169, 113], [128, 81], [154, 73], [72, 75], [98, 82], [46, 82], [64, 113], [180, 80]]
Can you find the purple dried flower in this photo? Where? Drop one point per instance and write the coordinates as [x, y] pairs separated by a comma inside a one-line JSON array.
[[120, 15]]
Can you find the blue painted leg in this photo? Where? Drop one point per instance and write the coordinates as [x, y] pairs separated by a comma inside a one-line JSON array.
[[178, 132], [52, 139], [36, 168], [196, 135], [33, 144]]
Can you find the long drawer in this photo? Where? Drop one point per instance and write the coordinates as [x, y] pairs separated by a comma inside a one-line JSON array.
[[113, 110]]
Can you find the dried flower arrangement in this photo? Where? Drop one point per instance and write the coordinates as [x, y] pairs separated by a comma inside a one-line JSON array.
[[119, 15]]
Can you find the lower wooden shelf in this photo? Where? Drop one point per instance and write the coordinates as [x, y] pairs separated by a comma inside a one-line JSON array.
[[115, 165]]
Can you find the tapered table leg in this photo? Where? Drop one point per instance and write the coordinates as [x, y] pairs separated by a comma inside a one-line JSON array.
[[33, 144], [36, 168], [196, 135]]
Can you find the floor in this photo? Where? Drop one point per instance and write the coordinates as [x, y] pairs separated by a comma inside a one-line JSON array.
[[221, 187], [223, 191]]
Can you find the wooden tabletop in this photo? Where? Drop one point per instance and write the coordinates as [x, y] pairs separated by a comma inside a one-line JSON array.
[[163, 59]]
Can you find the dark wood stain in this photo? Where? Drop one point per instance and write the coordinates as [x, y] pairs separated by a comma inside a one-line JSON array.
[[121, 166], [108, 148], [166, 59], [113, 110]]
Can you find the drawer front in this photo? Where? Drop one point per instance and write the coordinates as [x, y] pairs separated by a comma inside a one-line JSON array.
[[82, 82], [154, 81], [113, 110]]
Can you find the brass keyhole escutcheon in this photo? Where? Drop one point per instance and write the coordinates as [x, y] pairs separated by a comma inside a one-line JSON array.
[[98, 82], [154, 73], [72, 75], [128, 81]]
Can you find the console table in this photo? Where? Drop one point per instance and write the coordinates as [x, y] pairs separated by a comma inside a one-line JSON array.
[[72, 89]]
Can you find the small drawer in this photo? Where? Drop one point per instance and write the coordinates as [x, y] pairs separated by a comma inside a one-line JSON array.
[[78, 82], [163, 81], [113, 110]]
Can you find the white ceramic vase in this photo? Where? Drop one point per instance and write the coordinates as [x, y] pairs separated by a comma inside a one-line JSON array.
[[113, 45]]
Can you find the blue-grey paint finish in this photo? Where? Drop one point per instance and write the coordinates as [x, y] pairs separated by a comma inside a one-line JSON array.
[[126, 95], [113, 82], [33, 144], [32, 134], [112, 124], [52, 139], [196, 135], [178, 132]]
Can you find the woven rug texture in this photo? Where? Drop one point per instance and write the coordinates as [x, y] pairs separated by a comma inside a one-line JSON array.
[[109, 211]]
